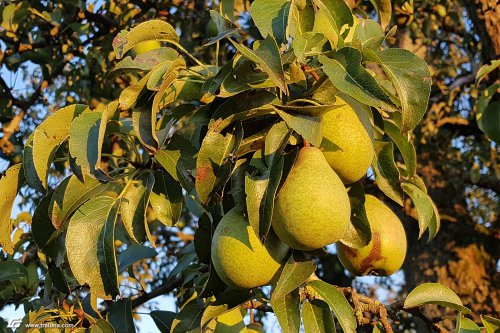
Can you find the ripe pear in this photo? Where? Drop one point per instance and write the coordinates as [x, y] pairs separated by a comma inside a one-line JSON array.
[[346, 144], [228, 322], [386, 251], [312, 208], [239, 257]]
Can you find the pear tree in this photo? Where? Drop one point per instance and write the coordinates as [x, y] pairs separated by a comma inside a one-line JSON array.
[[281, 153]]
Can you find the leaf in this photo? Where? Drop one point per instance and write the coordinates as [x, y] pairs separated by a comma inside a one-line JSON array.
[[214, 153], [287, 310], [386, 171], [338, 303], [165, 74], [292, 276], [203, 239], [271, 18], [48, 239], [267, 56], [369, 33], [134, 204], [428, 217], [129, 96], [163, 320], [337, 13], [317, 317], [177, 158], [10, 184], [224, 26], [308, 127], [434, 293], [486, 69], [466, 325], [70, 194], [49, 135], [346, 73], [102, 326], [106, 253], [166, 198], [492, 325], [359, 233], [146, 61], [85, 142], [489, 121], [404, 144], [150, 30], [188, 318], [412, 80], [89, 254], [308, 110], [261, 190], [121, 317], [384, 9], [144, 123], [276, 141], [133, 254]]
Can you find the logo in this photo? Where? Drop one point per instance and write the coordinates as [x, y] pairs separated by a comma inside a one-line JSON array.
[[15, 323]]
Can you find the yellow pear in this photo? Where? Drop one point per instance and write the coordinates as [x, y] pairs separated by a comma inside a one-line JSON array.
[[239, 257], [386, 252], [255, 328], [346, 144], [312, 208]]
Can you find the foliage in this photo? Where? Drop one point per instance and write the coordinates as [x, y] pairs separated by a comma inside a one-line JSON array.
[[177, 140]]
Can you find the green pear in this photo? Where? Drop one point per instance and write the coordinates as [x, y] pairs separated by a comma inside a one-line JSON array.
[[312, 208], [346, 144], [240, 258], [386, 252]]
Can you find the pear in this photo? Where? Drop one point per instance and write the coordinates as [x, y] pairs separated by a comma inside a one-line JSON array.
[[146, 46], [240, 258], [346, 144], [229, 322], [312, 208], [385, 253]]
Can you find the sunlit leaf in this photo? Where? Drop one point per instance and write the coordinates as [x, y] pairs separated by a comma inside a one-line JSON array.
[[434, 293], [292, 276], [428, 217], [271, 18], [317, 317], [384, 9], [386, 171], [287, 310], [10, 184], [166, 198]]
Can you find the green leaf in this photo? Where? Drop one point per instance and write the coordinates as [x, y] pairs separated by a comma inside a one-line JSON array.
[[49, 135], [188, 319], [11, 270], [412, 80], [163, 320], [466, 325], [146, 61], [178, 158], [369, 33], [307, 110], [10, 184], [271, 18], [317, 317], [121, 317], [308, 127], [133, 254], [434, 293], [70, 194], [346, 73], [276, 141], [261, 189], [102, 326], [267, 56], [147, 31], [486, 69], [292, 276], [338, 303], [428, 217], [85, 142], [386, 171], [129, 96], [166, 198], [224, 26], [134, 204], [492, 325], [165, 73], [214, 153], [48, 239], [337, 14], [144, 123], [287, 310], [489, 121], [87, 243], [384, 9], [359, 233], [404, 144]]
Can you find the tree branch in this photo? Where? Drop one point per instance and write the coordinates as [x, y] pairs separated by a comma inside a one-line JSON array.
[[164, 289]]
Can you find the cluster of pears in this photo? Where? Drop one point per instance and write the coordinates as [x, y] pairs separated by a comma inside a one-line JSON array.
[[312, 210]]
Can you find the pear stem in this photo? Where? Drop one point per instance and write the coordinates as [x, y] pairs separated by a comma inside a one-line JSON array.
[[306, 143]]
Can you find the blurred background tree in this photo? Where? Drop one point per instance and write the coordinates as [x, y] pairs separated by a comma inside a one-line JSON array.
[[55, 53]]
